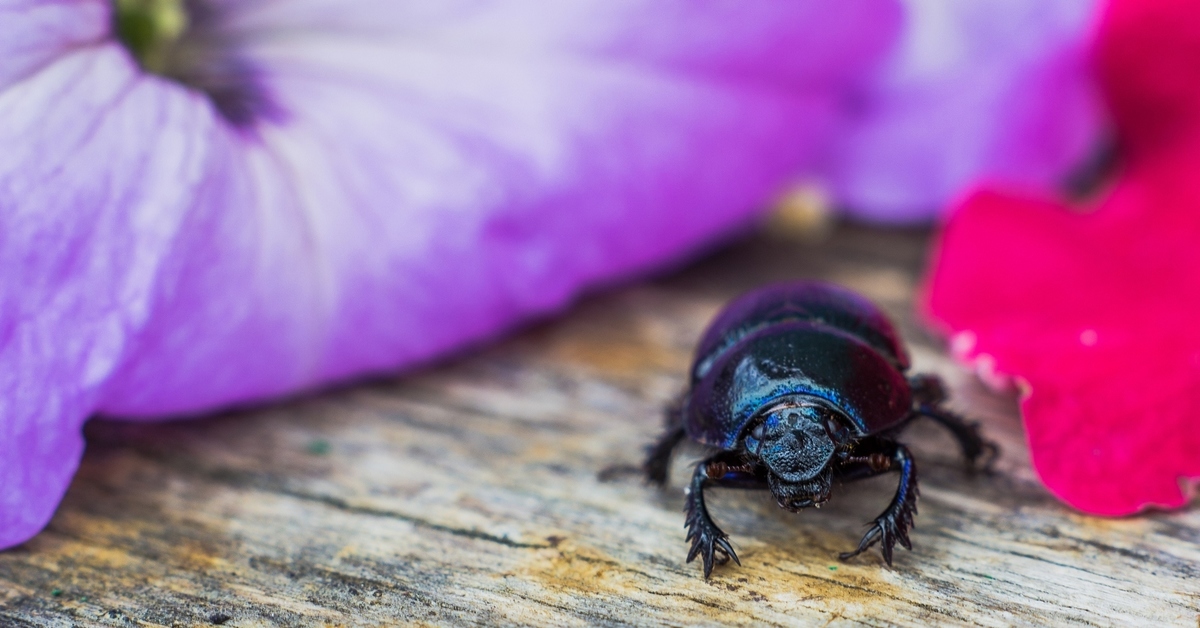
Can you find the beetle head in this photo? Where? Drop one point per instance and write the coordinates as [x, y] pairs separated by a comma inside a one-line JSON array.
[[796, 438]]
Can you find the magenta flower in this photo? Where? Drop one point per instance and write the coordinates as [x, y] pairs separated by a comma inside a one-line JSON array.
[[985, 89], [269, 196], [1094, 308]]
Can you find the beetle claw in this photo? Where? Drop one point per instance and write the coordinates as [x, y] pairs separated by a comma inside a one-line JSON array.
[[713, 548], [723, 543], [709, 542], [991, 451]]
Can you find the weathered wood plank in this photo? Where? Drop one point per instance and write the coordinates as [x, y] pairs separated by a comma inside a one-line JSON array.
[[469, 493]]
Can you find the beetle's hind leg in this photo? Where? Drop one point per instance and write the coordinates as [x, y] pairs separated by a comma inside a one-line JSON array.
[[893, 524], [658, 456], [929, 393], [979, 452]]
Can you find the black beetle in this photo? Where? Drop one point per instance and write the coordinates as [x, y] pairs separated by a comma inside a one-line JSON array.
[[796, 385]]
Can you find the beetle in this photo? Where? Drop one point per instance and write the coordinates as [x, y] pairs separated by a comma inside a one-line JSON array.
[[796, 385]]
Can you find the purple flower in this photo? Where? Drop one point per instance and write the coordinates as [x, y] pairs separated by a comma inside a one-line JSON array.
[[236, 199], [992, 89]]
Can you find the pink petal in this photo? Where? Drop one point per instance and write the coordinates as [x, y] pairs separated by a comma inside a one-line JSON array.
[[424, 183], [1102, 340], [1096, 311]]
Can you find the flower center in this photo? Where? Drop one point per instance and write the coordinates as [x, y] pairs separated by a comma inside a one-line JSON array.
[[187, 42], [150, 29]]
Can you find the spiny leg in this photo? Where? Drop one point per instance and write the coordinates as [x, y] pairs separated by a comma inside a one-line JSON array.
[[892, 525], [723, 469], [979, 452], [929, 393], [658, 456]]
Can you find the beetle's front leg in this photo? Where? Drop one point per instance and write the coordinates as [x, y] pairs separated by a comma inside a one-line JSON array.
[[723, 469], [929, 393], [893, 524]]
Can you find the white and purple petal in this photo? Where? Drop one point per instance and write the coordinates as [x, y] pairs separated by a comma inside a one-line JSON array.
[[404, 180], [987, 89]]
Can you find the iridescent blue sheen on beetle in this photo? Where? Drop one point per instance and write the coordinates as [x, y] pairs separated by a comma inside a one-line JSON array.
[[795, 385]]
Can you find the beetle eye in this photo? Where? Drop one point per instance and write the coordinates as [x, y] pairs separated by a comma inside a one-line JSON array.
[[757, 432]]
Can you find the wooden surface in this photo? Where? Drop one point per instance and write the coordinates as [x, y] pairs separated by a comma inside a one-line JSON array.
[[468, 493]]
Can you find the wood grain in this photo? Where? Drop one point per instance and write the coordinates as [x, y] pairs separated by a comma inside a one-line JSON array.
[[468, 493]]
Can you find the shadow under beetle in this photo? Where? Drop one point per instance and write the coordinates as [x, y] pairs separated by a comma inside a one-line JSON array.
[[796, 385]]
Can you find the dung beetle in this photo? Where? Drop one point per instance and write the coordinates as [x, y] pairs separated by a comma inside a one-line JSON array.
[[795, 385]]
